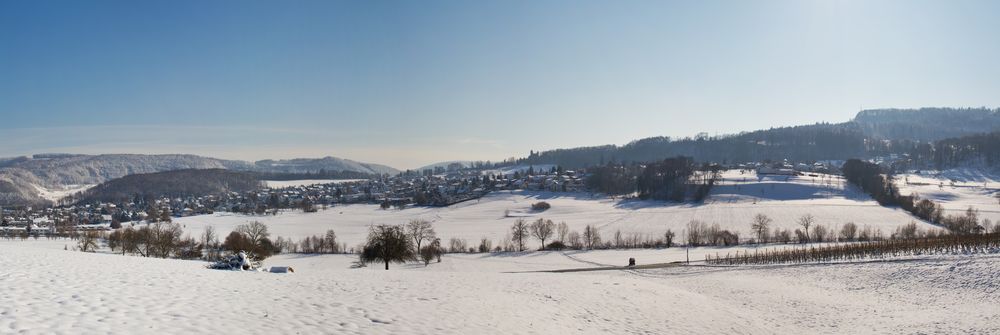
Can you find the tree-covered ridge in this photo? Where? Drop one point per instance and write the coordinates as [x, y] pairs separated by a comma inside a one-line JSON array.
[[178, 183], [871, 134]]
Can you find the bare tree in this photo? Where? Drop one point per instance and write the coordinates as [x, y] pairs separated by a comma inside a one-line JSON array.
[[209, 236], [697, 232], [519, 232], [563, 231], [668, 238], [420, 230], [806, 221], [848, 231], [387, 244], [255, 231], [331, 241], [88, 241], [574, 240], [761, 225], [591, 237], [428, 253], [542, 230]]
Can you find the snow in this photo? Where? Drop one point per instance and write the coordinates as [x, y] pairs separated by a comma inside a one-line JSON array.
[[956, 190], [58, 193], [732, 205], [306, 182], [68, 292]]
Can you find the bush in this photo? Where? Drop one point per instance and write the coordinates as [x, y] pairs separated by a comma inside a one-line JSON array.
[[428, 253], [485, 245], [540, 206], [557, 245]]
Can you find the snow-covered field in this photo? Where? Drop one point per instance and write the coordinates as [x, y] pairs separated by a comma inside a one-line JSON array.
[[57, 291], [732, 205], [56, 194], [51, 291], [956, 190]]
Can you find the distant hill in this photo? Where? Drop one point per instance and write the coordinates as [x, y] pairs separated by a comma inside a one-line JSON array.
[[927, 124], [175, 183], [21, 177], [314, 165], [861, 137], [444, 165]]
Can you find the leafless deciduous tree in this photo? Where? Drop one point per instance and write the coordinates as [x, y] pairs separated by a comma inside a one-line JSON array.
[[761, 225], [849, 231], [420, 230], [88, 241], [806, 221], [542, 230], [563, 231], [591, 237], [519, 232]]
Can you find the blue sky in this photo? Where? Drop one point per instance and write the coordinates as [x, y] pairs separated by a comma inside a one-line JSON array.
[[408, 83]]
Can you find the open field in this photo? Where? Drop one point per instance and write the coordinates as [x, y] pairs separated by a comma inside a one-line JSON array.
[[56, 291], [732, 205], [956, 190]]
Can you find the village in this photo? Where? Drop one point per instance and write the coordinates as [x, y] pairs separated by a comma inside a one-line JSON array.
[[437, 187]]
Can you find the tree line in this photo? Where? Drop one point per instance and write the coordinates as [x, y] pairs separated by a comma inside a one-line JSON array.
[[870, 178], [670, 179]]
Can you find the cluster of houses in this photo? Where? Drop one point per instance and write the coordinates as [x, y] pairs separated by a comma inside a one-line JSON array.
[[788, 169], [444, 188], [433, 187]]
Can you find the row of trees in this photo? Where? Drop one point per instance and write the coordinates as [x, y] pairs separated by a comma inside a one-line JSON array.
[[869, 177], [162, 240]]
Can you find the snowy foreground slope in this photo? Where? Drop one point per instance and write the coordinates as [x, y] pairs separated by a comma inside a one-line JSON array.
[[732, 205], [49, 290]]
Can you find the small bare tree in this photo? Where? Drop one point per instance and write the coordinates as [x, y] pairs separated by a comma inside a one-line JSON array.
[[420, 230], [88, 241], [563, 231], [428, 253], [574, 240], [806, 221], [330, 240], [519, 232], [542, 230], [848, 231], [761, 225], [591, 237], [255, 231], [668, 238]]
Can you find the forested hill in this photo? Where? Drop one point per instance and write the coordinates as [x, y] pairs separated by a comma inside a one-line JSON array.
[[927, 124], [21, 177], [871, 133], [175, 183], [802, 143]]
